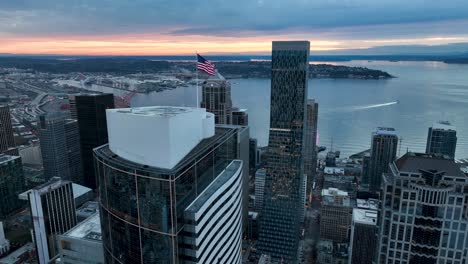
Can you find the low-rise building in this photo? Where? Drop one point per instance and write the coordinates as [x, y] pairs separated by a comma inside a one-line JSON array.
[[82, 243]]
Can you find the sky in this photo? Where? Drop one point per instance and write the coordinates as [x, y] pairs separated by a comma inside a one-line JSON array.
[[183, 27]]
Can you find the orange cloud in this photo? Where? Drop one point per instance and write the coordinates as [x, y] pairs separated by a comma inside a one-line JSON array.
[[156, 44]]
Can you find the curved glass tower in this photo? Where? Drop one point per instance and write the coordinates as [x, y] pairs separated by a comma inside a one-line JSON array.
[[149, 188]]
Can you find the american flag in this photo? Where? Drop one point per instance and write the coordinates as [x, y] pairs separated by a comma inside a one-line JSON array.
[[205, 65]]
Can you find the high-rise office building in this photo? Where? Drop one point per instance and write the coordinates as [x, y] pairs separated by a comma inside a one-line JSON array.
[[383, 152], [335, 215], [424, 211], [442, 139], [363, 236], [11, 184], [167, 196], [90, 111], [7, 139], [259, 189], [310, 150], [365, 171], [279, 224], [240, 117], [253, 154], [53, 213], [60, 147], [216, 98]]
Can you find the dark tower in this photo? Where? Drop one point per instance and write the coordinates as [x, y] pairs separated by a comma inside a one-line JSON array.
[[442, 139], [90, 111], [279, 224]]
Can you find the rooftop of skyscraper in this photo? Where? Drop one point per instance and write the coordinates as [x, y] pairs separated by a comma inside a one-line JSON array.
[[89, 229], [221, 133], [415, 162], [385, 131], [334, 196], [365, 216], [443, 125], [158, 136], [372, 204], [55, 182], [6, 158]]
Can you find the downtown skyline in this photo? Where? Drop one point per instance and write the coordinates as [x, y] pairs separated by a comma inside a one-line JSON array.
[[244, 27]]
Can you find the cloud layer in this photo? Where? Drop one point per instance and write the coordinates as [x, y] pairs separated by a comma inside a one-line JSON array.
[[219, 21]]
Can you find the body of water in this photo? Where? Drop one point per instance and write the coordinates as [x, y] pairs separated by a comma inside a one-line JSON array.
[[349, 110]]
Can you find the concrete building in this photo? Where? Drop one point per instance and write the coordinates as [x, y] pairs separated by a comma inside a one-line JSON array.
[[383, 152], [442, 139], [31, 155], [12, 183], [259, 189], [60, 147], [53, 213], [424, 211], [82, 243], [90, 111], [240, 117], [7, 139], [335, 218], [183, 183], [216, 98], [363, 239], [281, 214]]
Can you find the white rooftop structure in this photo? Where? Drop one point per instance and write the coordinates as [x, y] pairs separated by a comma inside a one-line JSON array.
[[443, 125], [334, 171], [157, 136], [335, 196], [385, 131], [78, 190], [372, 204], [88, 229], [364, 216]]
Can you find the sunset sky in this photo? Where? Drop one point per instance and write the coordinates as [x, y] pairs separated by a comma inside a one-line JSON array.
[[179, 27]]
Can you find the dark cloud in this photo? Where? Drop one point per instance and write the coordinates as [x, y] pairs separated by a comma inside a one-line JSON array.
[[222, 17]]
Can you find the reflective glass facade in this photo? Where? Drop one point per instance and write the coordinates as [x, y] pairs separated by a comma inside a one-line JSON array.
[[442, 139], [90, 111], [279, 224], [142, 208]]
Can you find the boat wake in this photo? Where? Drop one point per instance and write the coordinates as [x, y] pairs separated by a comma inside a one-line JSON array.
[[359, 108], [375, 106]]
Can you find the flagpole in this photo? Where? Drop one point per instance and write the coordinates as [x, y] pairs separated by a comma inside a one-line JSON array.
[[197, 103]]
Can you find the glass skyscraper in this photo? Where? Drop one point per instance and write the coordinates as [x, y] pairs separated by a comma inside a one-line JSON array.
[[179, 202], [90, 111], [280, 217], [383, 152], [442, 139], [60, 147]]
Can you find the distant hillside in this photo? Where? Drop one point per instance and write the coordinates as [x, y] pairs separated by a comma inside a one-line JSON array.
[[458, 61], [230, 69]]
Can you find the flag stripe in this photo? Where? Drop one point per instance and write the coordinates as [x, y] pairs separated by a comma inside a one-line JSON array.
[[205, 65]]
